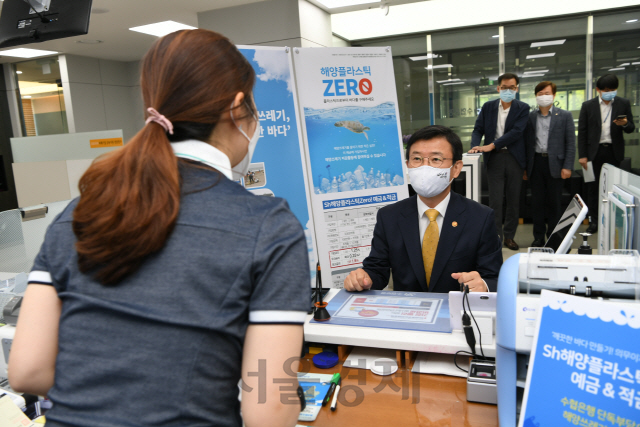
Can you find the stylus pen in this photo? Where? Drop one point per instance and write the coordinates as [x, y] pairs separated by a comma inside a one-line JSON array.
[[334, 402]]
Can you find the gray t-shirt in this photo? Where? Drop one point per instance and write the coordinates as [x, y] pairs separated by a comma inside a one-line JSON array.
[[164, 346]]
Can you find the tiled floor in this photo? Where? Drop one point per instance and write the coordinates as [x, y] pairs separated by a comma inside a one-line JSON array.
[[524, 237]]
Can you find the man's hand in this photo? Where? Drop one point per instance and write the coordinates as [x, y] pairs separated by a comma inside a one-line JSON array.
[[471, 279], [357, 280], [524, 176], [565, 173], [621, 122], [583, 162], [482, 148]]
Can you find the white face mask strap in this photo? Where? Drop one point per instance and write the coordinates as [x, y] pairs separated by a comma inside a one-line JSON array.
[[234, 120]]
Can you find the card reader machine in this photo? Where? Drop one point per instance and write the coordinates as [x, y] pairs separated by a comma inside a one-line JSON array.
[[614, 277]]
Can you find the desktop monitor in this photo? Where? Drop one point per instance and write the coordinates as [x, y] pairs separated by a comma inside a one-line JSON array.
[[29, 21], [562, 236]]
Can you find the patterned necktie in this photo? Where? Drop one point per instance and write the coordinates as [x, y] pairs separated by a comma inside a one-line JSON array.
[[430, 243]]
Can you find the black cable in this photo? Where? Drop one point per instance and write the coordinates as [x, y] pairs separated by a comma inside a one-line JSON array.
[[466, 295], [470, 337], [456, 363]]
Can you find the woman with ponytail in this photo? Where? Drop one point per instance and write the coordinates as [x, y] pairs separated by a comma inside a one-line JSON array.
[[166, 282]]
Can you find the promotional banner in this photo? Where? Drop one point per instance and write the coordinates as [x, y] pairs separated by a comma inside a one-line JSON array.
[[354, 146], [585, 364], [278, 166]]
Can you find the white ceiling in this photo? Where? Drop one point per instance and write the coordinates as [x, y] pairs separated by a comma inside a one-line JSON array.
[[111, 20]]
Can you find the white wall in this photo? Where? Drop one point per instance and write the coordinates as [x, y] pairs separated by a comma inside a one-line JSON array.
[[295, 23], [101, 95], [444, 14]]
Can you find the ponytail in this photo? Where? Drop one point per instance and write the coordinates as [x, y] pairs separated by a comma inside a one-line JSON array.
[[129, 203], [130, 198]]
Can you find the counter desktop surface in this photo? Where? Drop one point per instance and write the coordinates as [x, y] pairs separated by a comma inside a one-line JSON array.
[[395, 339], [404, 398]]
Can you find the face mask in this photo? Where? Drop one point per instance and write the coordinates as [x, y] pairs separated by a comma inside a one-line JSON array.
[[608, 96], [544, 100], [507, 95], [428, 181], [242, 168]]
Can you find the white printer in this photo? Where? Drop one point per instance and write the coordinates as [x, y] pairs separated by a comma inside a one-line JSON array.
[[614, 277]]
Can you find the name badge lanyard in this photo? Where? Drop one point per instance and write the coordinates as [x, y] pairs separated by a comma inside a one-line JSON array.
[[608, 112]]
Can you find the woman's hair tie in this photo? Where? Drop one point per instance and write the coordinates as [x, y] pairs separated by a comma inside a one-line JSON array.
[[154, 116]]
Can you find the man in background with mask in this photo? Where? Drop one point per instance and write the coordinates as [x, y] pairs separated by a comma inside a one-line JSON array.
[[551, 149], [600, 140], [435, 240], [502, 123]]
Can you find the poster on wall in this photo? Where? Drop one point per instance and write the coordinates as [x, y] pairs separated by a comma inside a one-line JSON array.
[[278, 163], [355, 160], [585, 364]]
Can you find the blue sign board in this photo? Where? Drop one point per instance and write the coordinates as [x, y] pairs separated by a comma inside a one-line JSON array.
[[585, 364]]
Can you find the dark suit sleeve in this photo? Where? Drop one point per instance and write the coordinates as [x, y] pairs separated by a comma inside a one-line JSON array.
[[478, 128], [630, 125], [569, 142], [489, 254], [377, 263], [515, 133], [583, 132]]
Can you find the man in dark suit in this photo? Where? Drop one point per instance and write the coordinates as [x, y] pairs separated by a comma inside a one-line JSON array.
[[435, 240], [551, 149], [600, 140], [502, 122]]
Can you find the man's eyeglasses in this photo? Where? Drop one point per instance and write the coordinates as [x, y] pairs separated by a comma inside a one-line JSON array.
[[508, 87], [434, 161]]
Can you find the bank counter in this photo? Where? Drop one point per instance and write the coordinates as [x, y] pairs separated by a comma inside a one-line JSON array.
[[404, 398]]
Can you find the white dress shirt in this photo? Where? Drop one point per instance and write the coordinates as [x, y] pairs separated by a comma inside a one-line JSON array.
[[502, 119], [605, 116], [423, 220]]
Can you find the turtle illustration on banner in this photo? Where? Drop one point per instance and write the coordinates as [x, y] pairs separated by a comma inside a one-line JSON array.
[[354, 126]]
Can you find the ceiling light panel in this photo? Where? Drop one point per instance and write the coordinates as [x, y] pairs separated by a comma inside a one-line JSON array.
[[532, 75], [422, 58], [549, 43], [161, 29], [438, 66], [536, 72], [541, 55], [26, 53]]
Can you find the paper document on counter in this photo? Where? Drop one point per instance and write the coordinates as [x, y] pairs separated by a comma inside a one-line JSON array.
[[11, 415], [440, 364], [415, 311]]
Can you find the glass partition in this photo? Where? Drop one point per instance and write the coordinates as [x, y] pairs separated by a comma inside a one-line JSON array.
[[42, 101], [465, 72], [555, 51], [616, 50]]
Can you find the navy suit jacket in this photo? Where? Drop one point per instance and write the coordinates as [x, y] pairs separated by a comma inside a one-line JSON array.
[[561, 145], [471, 245], [513, 138], [590, 127]]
